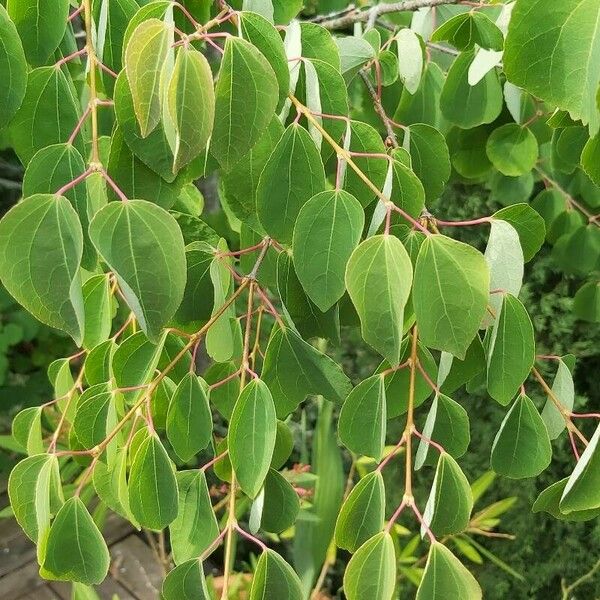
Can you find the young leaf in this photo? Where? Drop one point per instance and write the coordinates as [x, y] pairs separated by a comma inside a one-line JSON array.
[[330, 220], [371, 572], [410, 59], [362, 424], [98, 309], [191, 105], [465, 105], [35, 493], [582, 491], [144, 247], [362, 514], [189, 421], [153, 505], [447, 424], [274, 578], [549, 501], [513, 149], [528, 224], [450, 294], [521, 447], [246, 98], [186, 582], [41, 25], [291, 177], [293, 369], [76, 550], [195, 527], [380, 268], [90, 422], [13, 65], [144, 59], [281, 503], [448, 509], [511, 352], [564, 391], [465, 30], [44, 231], [251, 437], [445, 577]]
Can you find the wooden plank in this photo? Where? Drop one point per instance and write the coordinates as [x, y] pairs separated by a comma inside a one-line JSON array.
[[42, 593], [106, 590], [135, 567], [20, 582]]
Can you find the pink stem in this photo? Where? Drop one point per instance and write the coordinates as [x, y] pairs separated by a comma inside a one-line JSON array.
[[328, 116], [414, 222], [437, 446], [585, 415], [391, 455], [371, 155], [77, 129], [213, 545], [396, 514], [250, 537], [547, 357], [194, 354], [422, 521], [188, 15], [75, 13], [425, 375], [215, 46], [74, 182], [118, 191], [480, 221], [224, 381], [243, 250], [106, 69], [214, 460], [573, 445], [388, 220], [71, 56]]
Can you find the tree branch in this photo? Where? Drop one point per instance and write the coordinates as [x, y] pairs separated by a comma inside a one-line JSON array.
[[346, 19]]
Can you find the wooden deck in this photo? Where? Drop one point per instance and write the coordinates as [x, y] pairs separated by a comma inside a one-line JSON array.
[[134, 572]]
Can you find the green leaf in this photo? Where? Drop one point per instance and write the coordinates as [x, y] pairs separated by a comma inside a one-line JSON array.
[[189, 421], [90, 422], [362, 514], [14, 67], [41, 245], [251, 436], [529, 225], [521, 447], [371, 572], [291, 177], [430, 158], [145, 56], [590, 159], [98, 362], [561, 43], [27, 430], [362, 423], [274, 578], [97, 303], [191, 105], [450, 294], [153, 505], [306, 316], [410, 59], [465, 105], [41, 25], [586, 304], [47, 115], [281, 503], [511, 352], [447, 424], [197, 303], [259, 32], [330, 220], [582, 491], [142, 244], [195, 527], [454, 372], [133, 363], [468, 29], [76, 550], [186, 582], [549, 499], [407, 190], [563, 390], [35, 493], [445, 577], [513, 149], [380, 267], [450, 502], [246, 98], [293, 369], [354, 53]]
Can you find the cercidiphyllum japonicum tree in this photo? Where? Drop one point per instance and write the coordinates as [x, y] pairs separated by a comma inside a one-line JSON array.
[[333, 230]]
